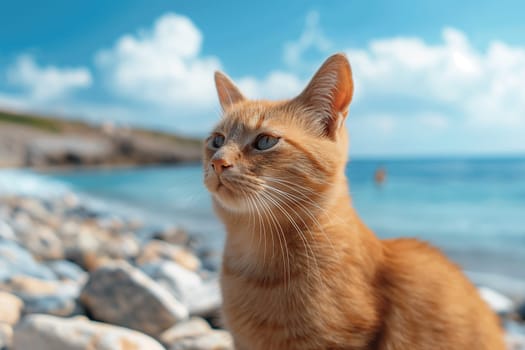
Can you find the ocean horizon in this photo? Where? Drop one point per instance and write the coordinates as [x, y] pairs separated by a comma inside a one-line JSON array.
[[473, 209]]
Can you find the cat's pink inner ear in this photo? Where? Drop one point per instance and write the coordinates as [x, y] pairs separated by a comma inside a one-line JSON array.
[[330, 91], [228, 93]]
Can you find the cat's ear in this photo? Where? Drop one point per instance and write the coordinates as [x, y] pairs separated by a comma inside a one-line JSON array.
[[228, 93], [329, 92]]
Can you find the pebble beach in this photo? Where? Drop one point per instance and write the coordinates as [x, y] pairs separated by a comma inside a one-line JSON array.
[[66, 268]]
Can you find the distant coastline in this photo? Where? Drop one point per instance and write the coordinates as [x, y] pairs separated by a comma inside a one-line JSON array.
[[48, 143]]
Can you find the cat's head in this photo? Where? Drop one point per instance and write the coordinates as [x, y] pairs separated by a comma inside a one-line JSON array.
[[280, 152]]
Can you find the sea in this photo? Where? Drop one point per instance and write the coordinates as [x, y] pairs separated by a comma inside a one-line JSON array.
[[473, 209]]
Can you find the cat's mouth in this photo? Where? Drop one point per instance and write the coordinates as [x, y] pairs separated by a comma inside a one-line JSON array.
[[232, 192]]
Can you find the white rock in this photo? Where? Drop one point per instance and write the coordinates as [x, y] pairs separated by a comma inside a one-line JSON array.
[[180, 281], [214, 340], [194, 327], [159, 250], [6, 232], [10, 308], [6, 336], [121, 294], [497, 301], [515, 342], [58, 298], [203, 298], [44, 332]]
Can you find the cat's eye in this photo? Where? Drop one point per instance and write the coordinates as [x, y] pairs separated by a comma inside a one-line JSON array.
[[217, 141], [264, 142]]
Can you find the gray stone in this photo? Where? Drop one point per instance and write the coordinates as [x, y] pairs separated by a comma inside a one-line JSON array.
[[66, 270], [6, 232], [520, 310], [205, 301], [214, 340], [498, 302], [176, 279], [211, 260], [6, 336], [202, 298], [189, 329], [123, 295], [42, 242], [15, 260], [173, 235], [87, 238], [10, 308], [515, 335], [40, 296], [515, 342], [45, 332], [160, 250]]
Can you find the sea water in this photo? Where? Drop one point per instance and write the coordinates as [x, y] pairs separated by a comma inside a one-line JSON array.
[[473, 209]]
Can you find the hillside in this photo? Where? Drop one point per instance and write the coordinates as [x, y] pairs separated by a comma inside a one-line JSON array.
[[46, 142]]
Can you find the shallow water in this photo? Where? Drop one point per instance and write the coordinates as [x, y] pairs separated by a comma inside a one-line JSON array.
[[473, 209]]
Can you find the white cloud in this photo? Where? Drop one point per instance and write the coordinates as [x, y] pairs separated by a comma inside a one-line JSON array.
[[312, 38], [485, 87], [276, 85], [280, 84], [162, 66], [409, 93], [46, 83]]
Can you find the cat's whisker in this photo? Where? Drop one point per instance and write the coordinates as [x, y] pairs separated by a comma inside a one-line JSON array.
[[306, 210], [294, 224], [283, 247], [280, 232], [308, 213], [295, 187], [274, 223]]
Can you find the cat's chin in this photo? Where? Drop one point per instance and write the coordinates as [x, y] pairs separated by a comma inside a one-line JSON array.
[[229, 201]]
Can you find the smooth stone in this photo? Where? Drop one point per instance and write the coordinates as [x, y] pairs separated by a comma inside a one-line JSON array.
[[205, 301], [203, 298], [176, 279], [78, 333], [6, 336], [34, 208], [172, 235], [515, 341], [6, 232], [10, 308], [15, 260], [520, 310], [515, 335], [214, 340], [120, 246], [81, 238], [70, 200], [160, 250], [123, 295], [42, 242], [498, 302], [57, 298], [66, 270], [211, 260], [193, 327]]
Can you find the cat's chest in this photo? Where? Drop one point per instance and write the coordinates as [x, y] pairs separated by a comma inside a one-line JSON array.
[[271, 316]]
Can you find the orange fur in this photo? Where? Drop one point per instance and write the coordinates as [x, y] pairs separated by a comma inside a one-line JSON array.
[[300, 269]]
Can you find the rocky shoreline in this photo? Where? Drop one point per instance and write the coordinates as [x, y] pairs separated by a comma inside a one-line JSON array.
[[51, 143], [72, 277]]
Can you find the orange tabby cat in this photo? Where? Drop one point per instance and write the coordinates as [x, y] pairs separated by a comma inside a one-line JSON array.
[[300, 269]]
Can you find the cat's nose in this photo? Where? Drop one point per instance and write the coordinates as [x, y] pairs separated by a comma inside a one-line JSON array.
[[219, 165]]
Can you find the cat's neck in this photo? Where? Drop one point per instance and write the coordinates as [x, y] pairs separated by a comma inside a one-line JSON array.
[[275, 245]]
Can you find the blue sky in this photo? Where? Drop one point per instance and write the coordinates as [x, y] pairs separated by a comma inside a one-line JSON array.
[[432, 78]]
